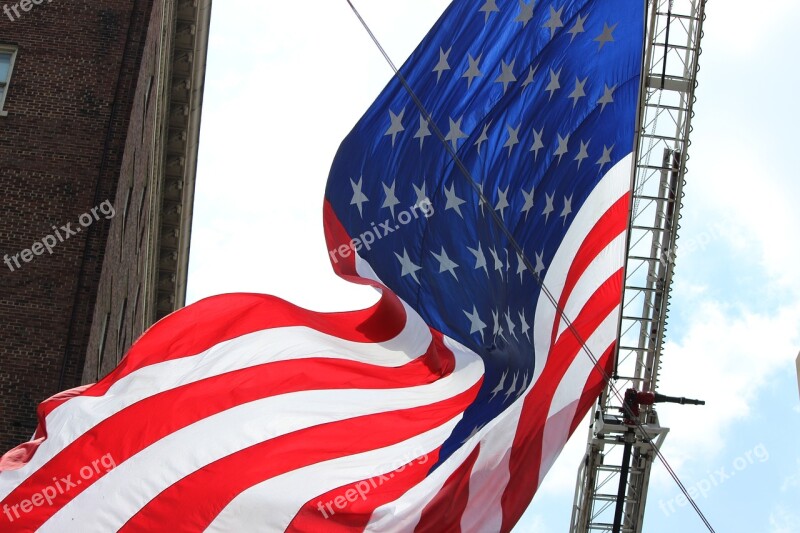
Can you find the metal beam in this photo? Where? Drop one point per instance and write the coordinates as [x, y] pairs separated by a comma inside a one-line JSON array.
[[674, 32]]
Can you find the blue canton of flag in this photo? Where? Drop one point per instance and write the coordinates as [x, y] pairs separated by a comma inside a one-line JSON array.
[[538, 101]]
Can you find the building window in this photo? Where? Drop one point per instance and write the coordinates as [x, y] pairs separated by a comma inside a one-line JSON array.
[[7, 56]]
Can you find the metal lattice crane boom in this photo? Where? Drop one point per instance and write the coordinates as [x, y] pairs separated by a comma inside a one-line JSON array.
[[611, 491]]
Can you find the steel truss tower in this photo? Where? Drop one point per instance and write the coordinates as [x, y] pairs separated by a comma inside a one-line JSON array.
[[613, 478]]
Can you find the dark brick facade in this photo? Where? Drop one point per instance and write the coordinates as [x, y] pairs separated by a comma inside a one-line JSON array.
[[119, 309], [146, 258], [61, 151]]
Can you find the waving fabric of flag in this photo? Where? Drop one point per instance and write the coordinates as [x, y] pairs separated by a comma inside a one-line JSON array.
[[489, 205]]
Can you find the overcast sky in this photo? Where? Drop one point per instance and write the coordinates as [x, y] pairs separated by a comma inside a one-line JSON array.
[[287, 81]]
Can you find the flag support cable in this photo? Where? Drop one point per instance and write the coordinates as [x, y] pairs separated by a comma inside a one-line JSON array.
[[507, 233]]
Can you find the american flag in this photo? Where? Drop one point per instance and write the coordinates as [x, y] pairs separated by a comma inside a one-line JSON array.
[[490, 209]]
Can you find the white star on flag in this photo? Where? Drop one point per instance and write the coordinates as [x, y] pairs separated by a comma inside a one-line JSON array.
[[498, 265], [489, 7], [423, 131], [567, 208], [455, 133], [442, 65], [480, 258], [531, 74], [521, 268], [579, 92], [473, 71], [583, 153], [607, 35], [605, 158], [539, 265], [445, 263], [513, 138], [359, 198], [549, 208], [578, 27], [422, 196], [408, 267], [528, 202], [502, 202], [500, 386], [483, 137], [525, 12], [391, 200], [453, 201], [563, 146], [513, 386], [476, 325], [396, 125], [507, 74], [537, 143], [554, 22], [554, 84], [607, 98]]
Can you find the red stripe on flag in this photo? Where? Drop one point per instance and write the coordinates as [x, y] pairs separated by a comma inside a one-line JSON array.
[[153, 418], [215, 486], [198, 327], [526, 452], [613, 223], [353, 505], [209, 322], [443, 513]]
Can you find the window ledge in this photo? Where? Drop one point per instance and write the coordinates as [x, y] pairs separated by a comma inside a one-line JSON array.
[[3, 113]]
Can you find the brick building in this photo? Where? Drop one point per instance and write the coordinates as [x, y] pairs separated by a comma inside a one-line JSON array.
[[99, 122]]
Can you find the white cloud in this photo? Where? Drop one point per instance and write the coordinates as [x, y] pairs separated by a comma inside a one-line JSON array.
[[735, 300], [724, 359], [783, 520], [742, 27], [752, 200], [792, 481]]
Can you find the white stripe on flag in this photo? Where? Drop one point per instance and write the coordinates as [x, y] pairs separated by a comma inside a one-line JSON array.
[[404, 513], [608, 191], [606, 264], [570, 389], [77, 416], [289, 492], [491, 474], [114, 499]]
